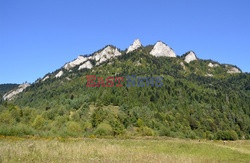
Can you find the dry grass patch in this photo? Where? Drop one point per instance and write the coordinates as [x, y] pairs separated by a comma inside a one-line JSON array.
[[14, 149]]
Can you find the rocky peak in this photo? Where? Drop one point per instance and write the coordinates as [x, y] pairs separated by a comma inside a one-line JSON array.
[[233, 70], [136, 44], [105, 54], [190, 56], [76, 62], [161, 49]]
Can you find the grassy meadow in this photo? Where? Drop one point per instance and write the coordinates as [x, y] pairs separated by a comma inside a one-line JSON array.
[[16, 149]]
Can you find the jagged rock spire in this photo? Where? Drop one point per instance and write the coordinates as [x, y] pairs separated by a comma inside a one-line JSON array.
[[161, 49], [190, 56], [136, 44]]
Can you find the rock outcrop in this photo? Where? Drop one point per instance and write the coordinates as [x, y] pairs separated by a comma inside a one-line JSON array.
[[213, 65], [45, 78], [233, 70], [161, 49], [86, 65], [190, 56], [76, 62], [12, 94], [136, 44], [59, 74], [106, 54]]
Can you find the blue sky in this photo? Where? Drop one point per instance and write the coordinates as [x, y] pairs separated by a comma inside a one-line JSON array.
[[39, 36]]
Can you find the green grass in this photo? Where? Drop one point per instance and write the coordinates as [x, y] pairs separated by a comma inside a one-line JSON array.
[[14, 149]]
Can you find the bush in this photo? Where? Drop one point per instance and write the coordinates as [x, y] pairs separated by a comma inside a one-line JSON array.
[[117, 127], [19, 130], [87, 126], [191, 135], [210, 136], [145, 131], [164, 131], [39, 122], [104, 129], [73, 128], [6, 118], [226, 135], [140, 122]]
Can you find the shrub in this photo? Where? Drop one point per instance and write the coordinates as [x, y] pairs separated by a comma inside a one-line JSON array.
[[39, 122], [210, 136], [191, 135], [164, 131], [19, 130], [104, 129], [140, 122], [117, 127], [87, 126], [73, 128], [6, 118], [226, 135], [145, 131]]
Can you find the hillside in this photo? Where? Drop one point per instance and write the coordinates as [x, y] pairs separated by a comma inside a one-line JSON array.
[[194, 98]]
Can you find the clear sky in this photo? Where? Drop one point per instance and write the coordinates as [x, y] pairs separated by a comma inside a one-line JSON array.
[[40, 36]]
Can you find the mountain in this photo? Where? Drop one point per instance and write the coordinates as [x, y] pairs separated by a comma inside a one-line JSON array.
[[144, 90]]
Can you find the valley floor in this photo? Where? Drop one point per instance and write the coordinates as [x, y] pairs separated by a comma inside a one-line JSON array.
[[15, 149]]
